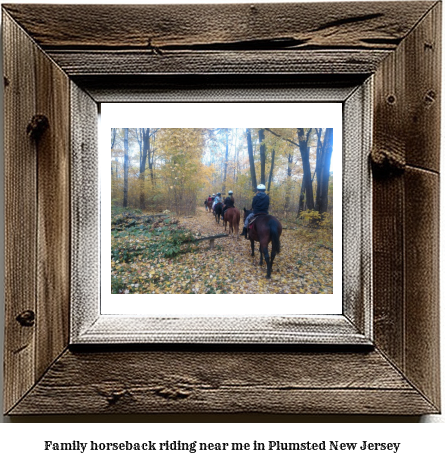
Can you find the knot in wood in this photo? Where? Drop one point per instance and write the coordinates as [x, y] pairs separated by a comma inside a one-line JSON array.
[[387, 162], [37, 126], [26, 318], [172, 393]]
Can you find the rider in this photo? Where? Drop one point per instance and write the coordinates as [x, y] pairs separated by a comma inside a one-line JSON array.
[[217, 200], [208, 199], [260, 204], [228, 202]]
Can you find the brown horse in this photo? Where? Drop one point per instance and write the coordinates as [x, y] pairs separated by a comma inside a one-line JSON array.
[[232, 216], [208, 204], [266, 228]]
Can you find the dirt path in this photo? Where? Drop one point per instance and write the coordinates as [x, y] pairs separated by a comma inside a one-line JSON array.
[[301, 267]]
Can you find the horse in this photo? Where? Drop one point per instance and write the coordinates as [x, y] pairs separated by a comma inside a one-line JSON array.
[[232, 216], [218, 211], [265, 229], [208, 204]]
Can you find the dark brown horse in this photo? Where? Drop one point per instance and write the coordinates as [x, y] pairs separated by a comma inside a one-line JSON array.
[[266, 228], [217, 211], [232, 216]]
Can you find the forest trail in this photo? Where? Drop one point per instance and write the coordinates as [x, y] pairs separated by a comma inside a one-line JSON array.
[[302, 267], [172, 169]]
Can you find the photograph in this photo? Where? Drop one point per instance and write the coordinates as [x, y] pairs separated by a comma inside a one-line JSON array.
[[222, 210]]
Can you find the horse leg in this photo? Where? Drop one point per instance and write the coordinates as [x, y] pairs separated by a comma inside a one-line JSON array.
[[268, 262], [261, 256], [272, 258], [252, 245]]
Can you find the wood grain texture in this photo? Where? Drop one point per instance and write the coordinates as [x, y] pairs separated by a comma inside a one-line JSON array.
[[377, 25], [357, 208], [218, 87], [422, 364], [223, 382], [78, 63], [53, 194], [112, 329], [85, 208], [20, 212], [406, 208], [423, 91], [388, 268]]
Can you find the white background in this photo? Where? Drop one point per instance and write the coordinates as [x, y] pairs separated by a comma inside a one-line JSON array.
[[219, 115], [23, 443]]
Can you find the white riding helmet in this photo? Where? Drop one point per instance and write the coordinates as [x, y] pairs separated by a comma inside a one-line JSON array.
[[230, 192], [261, 187]]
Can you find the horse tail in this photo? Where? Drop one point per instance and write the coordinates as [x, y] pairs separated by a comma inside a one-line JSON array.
[[273, 227], [236, 218]]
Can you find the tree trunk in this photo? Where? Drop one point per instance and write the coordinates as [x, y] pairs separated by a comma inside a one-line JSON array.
[[126, 166], [271, 170], [251, 159], [325, 169], [318, 166], [113, 141], [151, 158], [290, 159], [307, 180], [226, 162], [301, 200], [262, 156], [145, 153], [235, 164]]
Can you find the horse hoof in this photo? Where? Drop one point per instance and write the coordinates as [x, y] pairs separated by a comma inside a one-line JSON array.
[[267, 277]]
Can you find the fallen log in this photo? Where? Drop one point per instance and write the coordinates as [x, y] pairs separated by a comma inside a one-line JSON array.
[[211, 239]]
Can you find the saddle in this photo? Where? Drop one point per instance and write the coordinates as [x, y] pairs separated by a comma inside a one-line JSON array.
[[255, 217]]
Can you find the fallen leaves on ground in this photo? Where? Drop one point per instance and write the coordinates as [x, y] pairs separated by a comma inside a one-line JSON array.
[[304, 265]]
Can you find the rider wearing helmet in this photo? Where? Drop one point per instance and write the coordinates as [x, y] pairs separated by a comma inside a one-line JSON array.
[[228, 202], [217, 200], [260, 204]]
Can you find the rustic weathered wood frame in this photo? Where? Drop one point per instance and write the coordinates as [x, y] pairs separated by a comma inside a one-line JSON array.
[[75, 56], [89, 321]]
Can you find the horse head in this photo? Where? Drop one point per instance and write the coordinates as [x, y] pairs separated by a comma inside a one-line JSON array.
[[246, 213]]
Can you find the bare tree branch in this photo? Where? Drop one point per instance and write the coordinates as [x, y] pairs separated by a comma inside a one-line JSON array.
[[281, 137]]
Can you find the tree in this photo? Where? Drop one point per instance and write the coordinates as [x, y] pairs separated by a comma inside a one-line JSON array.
[[290, 159], [126, 166], [251, 159], [325, 166], [303, 139], [143, 138], [271, 170], [262, 156], [226, 161]]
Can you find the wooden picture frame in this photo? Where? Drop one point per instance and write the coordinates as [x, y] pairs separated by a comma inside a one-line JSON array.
[[56, 72]]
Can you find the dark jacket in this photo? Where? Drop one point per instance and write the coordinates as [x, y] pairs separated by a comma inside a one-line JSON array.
[[229, 201], [260, 203]]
